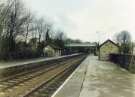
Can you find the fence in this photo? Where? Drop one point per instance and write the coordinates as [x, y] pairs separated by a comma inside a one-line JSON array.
[[124, 60]]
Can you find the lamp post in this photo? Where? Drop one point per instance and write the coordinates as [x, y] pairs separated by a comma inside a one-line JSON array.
[[98, 36]]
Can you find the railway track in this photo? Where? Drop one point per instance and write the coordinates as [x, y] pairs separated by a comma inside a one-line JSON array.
[[47, 89], [28, 83], [7, 83]]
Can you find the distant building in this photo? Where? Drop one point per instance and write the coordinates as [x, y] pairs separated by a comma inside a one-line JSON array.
[[51, 50], [106, 48]]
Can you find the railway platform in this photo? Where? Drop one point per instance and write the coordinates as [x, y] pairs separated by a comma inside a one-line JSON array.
[[94, 78], [12, 68], [29, 61]]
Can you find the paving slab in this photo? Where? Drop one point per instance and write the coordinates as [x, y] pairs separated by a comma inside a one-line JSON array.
[[105, 79], [94, 78]]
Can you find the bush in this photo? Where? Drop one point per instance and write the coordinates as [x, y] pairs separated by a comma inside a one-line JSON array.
[[6, 46], [21, 50]]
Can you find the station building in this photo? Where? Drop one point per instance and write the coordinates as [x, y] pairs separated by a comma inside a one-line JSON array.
[[106, 48], [51, 50]]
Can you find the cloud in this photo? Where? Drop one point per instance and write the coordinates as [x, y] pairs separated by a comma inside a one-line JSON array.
[[83, 18]]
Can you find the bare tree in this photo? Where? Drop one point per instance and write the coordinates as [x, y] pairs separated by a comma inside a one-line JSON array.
[[48, 33], [39, 28], [16, 21], [28, 25], [124, 40], [60, 38], [12, 19], [42, 27], [60, 35], [124, 37], [4, 10]]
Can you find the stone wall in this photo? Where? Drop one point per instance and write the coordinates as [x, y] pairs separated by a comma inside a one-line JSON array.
[[106, 50]]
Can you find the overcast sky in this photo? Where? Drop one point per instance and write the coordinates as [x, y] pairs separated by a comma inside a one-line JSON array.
[[88, 20]]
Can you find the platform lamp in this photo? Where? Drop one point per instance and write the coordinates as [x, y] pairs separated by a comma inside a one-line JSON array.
[[98, 43]]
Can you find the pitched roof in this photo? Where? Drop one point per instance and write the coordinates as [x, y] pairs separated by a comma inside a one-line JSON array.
[[53, 46], [108, 41]]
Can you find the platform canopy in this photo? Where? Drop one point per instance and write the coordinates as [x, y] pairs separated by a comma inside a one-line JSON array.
[[81, 45]]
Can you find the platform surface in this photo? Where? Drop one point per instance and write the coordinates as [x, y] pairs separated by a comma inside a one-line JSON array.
[[94, 78], [28, 61]]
